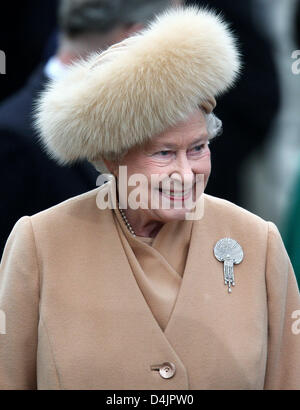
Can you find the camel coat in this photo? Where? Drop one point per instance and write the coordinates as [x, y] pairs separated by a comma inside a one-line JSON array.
[[77, 319]]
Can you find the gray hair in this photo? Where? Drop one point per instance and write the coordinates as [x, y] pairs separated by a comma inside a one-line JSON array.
[[214, 128], [213, 125], [77, 17]]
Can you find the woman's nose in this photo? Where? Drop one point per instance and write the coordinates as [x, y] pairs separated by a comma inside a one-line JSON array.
[[183, 171]]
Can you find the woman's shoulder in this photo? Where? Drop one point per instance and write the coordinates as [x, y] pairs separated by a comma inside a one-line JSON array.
[[222, 218], [228, 211], [230, 220], [71, 212]]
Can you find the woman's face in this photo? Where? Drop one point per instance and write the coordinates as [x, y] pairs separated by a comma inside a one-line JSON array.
[[176, 166]]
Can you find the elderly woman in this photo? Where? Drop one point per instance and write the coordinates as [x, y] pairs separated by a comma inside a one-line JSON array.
[[165, 287]]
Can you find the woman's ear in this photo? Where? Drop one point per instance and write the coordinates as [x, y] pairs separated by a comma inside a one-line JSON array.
[[111, 166]]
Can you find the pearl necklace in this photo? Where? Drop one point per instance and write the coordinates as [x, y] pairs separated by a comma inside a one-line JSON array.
[[129, 227]]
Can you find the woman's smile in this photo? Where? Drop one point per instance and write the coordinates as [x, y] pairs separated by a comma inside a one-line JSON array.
[[176, 195]]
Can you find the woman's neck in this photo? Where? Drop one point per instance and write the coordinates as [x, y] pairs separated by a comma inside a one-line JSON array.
[[142, 224]]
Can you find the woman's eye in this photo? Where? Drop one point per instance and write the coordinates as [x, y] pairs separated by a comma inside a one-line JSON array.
[[199, 148], [163, 153]]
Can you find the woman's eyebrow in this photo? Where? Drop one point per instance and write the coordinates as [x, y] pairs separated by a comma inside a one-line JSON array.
[[172, 145], [160, 146], [202, 139]]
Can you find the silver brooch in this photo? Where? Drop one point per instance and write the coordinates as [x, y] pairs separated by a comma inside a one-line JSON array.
[[230, 252]]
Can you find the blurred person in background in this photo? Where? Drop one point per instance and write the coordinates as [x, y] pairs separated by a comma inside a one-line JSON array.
[[24, 33], [248, 111], [271, 173], [291, 226], [34, 182], [298, 24]]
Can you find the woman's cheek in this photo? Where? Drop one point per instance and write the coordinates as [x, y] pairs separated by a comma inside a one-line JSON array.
[[203, 165], [204, 168], [207, 171]]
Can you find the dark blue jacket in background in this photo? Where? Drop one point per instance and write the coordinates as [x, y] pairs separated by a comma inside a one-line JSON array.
[[30, 181]]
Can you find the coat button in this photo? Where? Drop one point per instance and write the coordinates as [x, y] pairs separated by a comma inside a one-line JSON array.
[[166, 370]]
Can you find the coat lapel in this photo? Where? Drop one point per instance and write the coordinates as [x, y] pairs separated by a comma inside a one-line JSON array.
[[217, 326], [133, 321]]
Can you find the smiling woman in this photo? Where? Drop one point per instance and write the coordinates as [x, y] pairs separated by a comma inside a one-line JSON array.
[[177, 157], [195, 295]]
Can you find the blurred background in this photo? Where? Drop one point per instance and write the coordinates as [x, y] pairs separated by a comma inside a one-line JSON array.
[[256, 162]]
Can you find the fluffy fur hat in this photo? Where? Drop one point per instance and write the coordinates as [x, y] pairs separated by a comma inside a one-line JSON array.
[[113, 101]]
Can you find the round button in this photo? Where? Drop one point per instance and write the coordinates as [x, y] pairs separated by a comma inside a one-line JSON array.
[[167, 370]]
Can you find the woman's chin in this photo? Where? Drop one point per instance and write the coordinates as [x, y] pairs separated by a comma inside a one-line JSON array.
[[168, 215]]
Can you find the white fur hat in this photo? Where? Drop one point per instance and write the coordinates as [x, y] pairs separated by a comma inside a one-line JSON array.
[[136, 89]]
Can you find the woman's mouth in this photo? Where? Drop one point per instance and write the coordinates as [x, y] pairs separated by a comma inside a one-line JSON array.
[[176, 195]]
